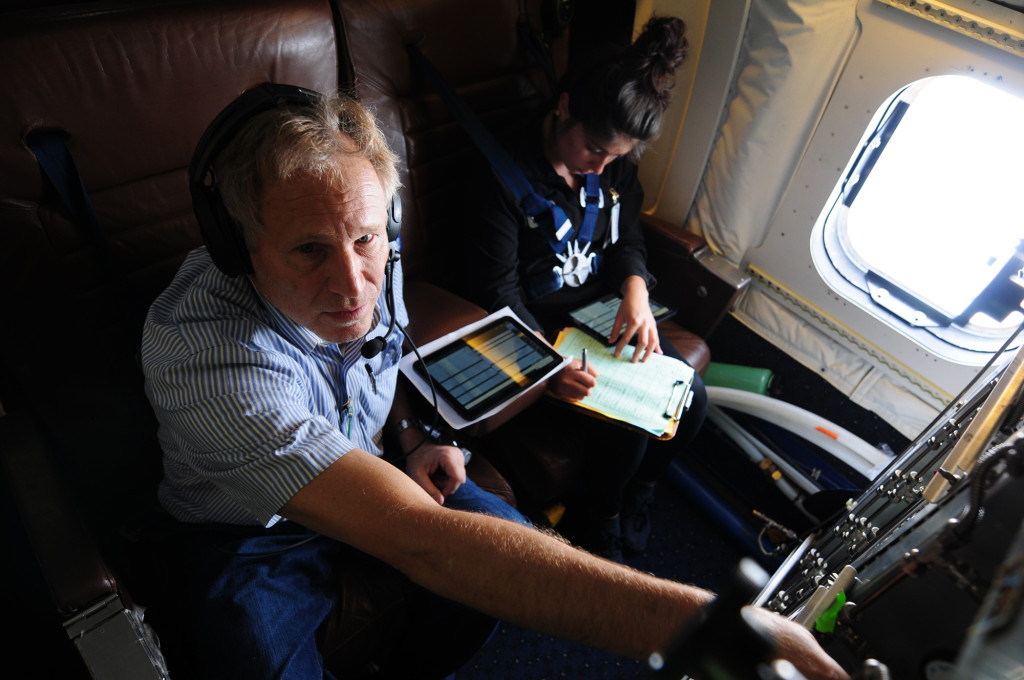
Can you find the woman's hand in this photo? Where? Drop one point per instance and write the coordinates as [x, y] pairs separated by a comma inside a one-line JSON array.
[[439, 469], [635, 318], [572, 382]]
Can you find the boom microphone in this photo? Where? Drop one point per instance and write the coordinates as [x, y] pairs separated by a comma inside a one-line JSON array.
[[375, 346]]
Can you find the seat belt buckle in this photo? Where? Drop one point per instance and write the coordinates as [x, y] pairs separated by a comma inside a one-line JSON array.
[[585, 199]]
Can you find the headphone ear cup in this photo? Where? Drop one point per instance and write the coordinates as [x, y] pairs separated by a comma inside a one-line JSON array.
[[395, 217], [223, 237]]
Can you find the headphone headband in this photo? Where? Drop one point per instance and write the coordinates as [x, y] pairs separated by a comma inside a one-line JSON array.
[[229, 122], [224, 237]]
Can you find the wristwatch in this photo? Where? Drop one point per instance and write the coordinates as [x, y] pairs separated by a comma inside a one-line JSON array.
[[405, 423]]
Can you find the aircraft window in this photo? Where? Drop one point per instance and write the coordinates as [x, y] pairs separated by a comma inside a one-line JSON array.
[[926, 228]]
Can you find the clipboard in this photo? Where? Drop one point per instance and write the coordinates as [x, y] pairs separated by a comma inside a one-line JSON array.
[[649, 396]]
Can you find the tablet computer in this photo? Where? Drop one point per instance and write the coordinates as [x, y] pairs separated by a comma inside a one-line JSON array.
[[597, 317], [488, 366]]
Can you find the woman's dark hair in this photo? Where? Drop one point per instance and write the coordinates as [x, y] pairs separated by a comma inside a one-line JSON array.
[[625, 91]]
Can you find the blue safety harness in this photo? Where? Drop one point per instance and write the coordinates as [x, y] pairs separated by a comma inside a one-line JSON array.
[[574, 254], [540, 212], [51, 150]]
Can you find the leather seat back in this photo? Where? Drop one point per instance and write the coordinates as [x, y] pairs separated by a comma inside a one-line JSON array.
[[133, 86], [479, 49]]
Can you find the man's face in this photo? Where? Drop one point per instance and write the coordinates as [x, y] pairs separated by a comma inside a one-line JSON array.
[[320, 258]]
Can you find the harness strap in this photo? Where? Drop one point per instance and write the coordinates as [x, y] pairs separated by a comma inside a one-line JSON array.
[[552, 220], [592, 200], [55, 158]]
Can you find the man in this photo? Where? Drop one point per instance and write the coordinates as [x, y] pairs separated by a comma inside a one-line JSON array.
[[271, 428]]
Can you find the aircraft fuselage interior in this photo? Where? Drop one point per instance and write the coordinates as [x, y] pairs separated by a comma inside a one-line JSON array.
[[832, 208]]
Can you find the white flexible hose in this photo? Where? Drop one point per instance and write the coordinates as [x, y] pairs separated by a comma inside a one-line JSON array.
[[757, 452], [834, 439]]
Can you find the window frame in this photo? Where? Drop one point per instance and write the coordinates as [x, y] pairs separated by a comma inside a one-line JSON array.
[[852, 278]]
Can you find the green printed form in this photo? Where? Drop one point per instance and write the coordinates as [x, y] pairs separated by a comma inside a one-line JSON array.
[[638, 393]]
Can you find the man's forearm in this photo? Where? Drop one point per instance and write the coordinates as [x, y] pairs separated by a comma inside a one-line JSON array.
[[538, 581], [512, 572]]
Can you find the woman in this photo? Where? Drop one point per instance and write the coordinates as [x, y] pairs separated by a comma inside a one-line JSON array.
[[582, 152]]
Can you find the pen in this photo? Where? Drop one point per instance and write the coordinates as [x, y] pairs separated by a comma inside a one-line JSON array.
[[584, 367]]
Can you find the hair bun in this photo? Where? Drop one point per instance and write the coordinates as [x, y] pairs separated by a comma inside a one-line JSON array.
[[662, 46], [623, 90]]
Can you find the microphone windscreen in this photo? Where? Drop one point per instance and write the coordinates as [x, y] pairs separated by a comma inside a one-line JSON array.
[[372, 348]]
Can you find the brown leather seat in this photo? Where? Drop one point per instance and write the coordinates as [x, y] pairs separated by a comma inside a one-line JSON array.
[[131, 87]]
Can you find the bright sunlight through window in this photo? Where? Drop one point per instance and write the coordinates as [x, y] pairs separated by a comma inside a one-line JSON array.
[[930, 214], [940, 213]]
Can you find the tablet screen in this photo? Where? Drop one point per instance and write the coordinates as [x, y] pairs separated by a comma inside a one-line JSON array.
[[488, 366], [598, 317]]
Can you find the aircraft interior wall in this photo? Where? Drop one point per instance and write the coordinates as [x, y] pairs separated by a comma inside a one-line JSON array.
[[787, 114]]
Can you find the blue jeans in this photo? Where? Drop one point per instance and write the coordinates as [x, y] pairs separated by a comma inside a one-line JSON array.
[[472, 498], [261, 601]]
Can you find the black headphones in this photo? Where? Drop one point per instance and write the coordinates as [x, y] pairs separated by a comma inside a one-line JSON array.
[[224, 238]]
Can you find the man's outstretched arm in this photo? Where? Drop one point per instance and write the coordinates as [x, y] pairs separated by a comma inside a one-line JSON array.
[[515, 573]]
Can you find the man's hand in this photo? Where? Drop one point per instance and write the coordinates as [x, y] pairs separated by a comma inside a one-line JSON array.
[[634, 317], [439, 469], [572, 382], [797, 645]]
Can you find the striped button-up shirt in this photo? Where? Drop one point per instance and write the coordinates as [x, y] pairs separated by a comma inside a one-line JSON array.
[[251, 405]]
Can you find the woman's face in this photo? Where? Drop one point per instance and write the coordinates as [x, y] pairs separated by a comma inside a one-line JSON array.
[[580, 152]]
